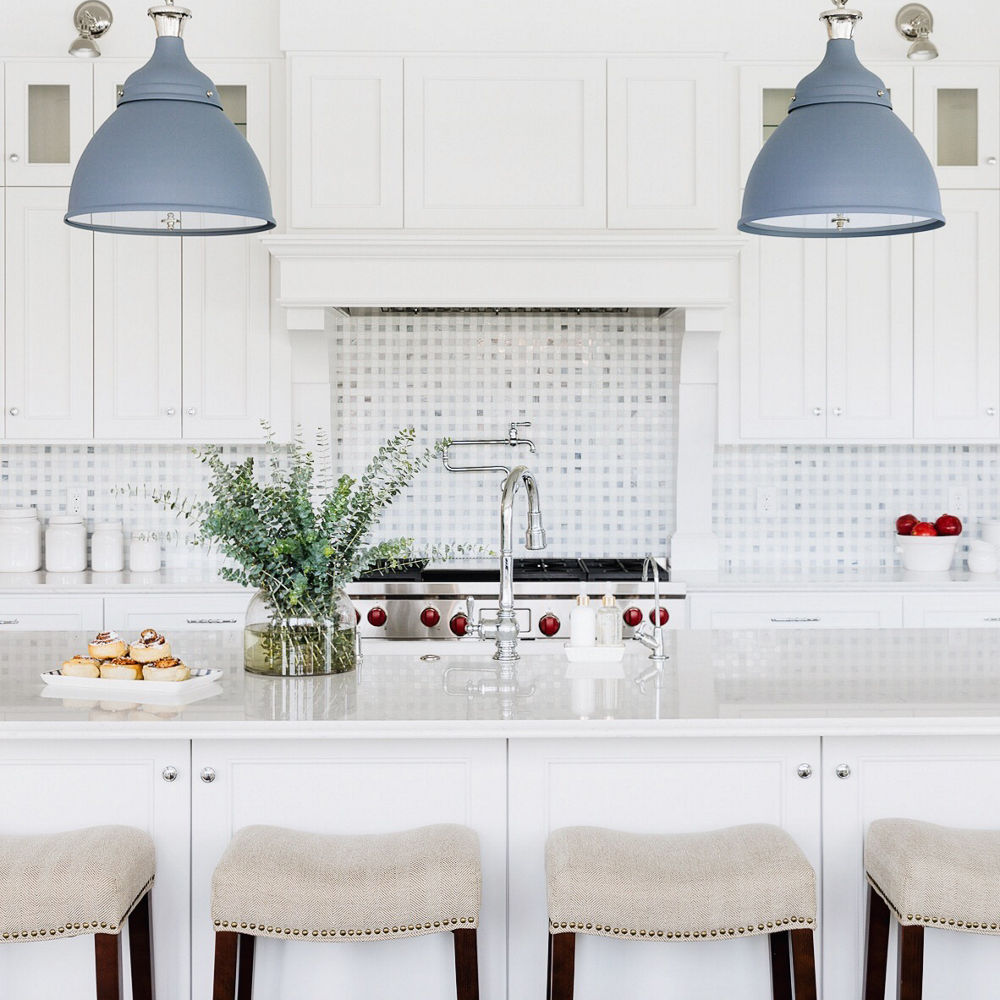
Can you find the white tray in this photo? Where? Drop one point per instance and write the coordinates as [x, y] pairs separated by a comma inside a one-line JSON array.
[[140, 691], [594, 654]]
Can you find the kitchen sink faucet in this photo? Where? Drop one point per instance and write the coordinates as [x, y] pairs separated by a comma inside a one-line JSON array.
[[505, 628], [650, 634]]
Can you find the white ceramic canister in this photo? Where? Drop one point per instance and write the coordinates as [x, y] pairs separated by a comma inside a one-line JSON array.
[[990, 531], [20, 540], [143, 554], [982, 557], [66, 544], [107, 547]]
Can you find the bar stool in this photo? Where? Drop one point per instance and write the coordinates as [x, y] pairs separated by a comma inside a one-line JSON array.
[[279, 883], [927, 876], [725, 884], [90, 881]]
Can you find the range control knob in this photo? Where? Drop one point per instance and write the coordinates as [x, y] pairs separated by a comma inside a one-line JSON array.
[[548, 624], [632, 617], [459, 625], [430, 617], [357, 616], [664, 616], [377, 617]]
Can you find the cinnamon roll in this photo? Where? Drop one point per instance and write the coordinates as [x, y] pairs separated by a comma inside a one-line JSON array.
[[106, 646], [149, 647]]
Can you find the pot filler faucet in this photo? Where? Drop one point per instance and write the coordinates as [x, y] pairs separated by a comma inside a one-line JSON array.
[[505, 628]]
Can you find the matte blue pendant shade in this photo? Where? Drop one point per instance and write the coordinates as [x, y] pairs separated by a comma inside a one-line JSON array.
[[168, 162], [841, 164]]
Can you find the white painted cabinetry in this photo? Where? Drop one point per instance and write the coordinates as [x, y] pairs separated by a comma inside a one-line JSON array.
[[93, 783], [32, 613], [353, 786], [795, 609], [170, 612], [949, 610]]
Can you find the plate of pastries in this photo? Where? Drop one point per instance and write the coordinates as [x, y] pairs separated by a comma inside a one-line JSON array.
[[111, 662]]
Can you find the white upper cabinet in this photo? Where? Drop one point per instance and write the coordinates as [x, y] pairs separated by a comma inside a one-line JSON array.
[[48, 120], [346, 162], [956, 319], [663, 143], [958, 122], [49, 318], [505, 142]]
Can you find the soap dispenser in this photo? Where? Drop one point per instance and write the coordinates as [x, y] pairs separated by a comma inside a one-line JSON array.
[[609, 622], [582, 623]]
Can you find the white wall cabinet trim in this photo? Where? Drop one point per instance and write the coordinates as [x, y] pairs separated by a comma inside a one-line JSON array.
[[505, 142]]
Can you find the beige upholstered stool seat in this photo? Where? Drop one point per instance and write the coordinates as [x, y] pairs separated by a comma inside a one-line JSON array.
[[274, 882], [934, 875], [79, 882], [724, 883]]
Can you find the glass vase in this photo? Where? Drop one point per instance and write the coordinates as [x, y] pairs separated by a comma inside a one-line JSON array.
[[279, 646]]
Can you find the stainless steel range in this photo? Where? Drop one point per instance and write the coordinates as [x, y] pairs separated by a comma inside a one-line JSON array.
[[430, 602]]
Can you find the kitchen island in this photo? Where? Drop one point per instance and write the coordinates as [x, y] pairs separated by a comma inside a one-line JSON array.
[[817, 731]]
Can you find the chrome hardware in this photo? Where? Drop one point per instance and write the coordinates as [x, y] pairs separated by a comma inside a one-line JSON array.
[[91, 19], [991, 161], [512, 440], [13, 411], [170, 411], [210, 621], [915, 23], [794, 621], [991, 411], [169, 773], [840, 221], [207, 774], [171, 221], [880, 93], [648, 633], [120, 91], [10, 621], [817, 411], [430, 658], [837, 411], [840, 22], [804, 770], [14, 158], [192, 411], [209, 93], [842, 770]]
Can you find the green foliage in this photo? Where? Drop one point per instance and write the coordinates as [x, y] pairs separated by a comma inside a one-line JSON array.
[[295, 533]]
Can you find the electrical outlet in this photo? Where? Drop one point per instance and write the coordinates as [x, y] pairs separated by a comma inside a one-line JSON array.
[[766, 501], [74, 501], [958, 501]]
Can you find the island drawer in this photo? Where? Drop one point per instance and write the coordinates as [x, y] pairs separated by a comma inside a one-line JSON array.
[[797, 609], [938, 610], [182, 612], [78, 614]]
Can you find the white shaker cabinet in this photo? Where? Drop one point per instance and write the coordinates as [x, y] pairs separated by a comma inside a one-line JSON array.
[[48, 120], [956, 317], [93, 783], [49, 312], [32, 613], [795, 610], [350, 787], [346, 138], [664, 141], [505, 142], [649, 786]]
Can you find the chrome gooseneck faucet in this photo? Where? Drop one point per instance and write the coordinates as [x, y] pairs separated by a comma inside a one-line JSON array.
[[650, 634], [505, 629]]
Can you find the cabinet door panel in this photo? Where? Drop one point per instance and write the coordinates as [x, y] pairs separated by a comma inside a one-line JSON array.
[[19, 613], [49, 787], [355, 786], [347, 133], [783, 339], [505, 142], [795, 610], [648, 786], [946, 780], [663, 143], [50, 319], [137, 337], [870, 338], [956, 316]]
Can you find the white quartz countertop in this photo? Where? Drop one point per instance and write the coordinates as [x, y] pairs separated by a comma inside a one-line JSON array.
[[889, 579], [715, 683]]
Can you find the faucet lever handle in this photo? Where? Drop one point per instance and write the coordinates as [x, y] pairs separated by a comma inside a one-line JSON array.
[[470, 609]]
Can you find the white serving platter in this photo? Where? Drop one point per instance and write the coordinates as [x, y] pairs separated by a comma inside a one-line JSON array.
[[137, 691]]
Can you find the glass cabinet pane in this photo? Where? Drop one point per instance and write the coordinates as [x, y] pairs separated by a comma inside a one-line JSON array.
[[774, 105], [48, 123], [234, 103], [957, 127]]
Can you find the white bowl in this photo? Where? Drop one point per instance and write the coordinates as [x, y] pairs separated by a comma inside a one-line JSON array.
[[927, 553]]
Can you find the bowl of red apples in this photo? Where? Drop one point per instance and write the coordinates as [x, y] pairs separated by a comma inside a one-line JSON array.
[[927, 546]]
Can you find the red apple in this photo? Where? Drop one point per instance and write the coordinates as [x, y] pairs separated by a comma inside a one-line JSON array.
[[904, 524], [948, 524], [924, 528]]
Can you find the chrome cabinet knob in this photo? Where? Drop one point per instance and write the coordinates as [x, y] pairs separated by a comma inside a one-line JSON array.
[[13, 411], [170, 411], [991, 411], [169, 773], [842, 770], [817, 411], [191, 411], [991, 161], [207, 775], [837, 411], [14, 158], [804, 770]]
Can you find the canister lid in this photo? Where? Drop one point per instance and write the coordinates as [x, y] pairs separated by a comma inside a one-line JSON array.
[[65, 519]]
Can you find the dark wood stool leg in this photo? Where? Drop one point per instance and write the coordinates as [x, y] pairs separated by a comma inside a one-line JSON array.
[[466, 964], [108, 953], [804, 964], [781, 966], [562, 951], [245, 991], [140, 950], [911, 962], [877, 947], [224, 980]]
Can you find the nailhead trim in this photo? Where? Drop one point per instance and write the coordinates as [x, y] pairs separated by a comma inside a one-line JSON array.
[[579, 926], [920, 918], [260, 929]]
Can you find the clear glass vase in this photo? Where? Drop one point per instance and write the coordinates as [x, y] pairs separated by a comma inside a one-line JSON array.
[[300, 647]]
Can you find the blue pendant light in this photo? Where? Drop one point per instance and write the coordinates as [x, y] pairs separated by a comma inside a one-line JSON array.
[[168, 162], [841, 164]]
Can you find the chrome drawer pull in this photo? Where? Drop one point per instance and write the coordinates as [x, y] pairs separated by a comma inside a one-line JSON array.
[[211, 621], [10, 621], [793, 621]]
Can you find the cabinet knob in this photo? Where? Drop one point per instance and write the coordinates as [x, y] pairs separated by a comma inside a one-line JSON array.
[[14, 158], [817, 411], [13, 411], [837, 411], [171, 411], [192, 411], [170, 773], [804, 770], [991, 161], [842, 770], [991, 411], [207, 775]]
